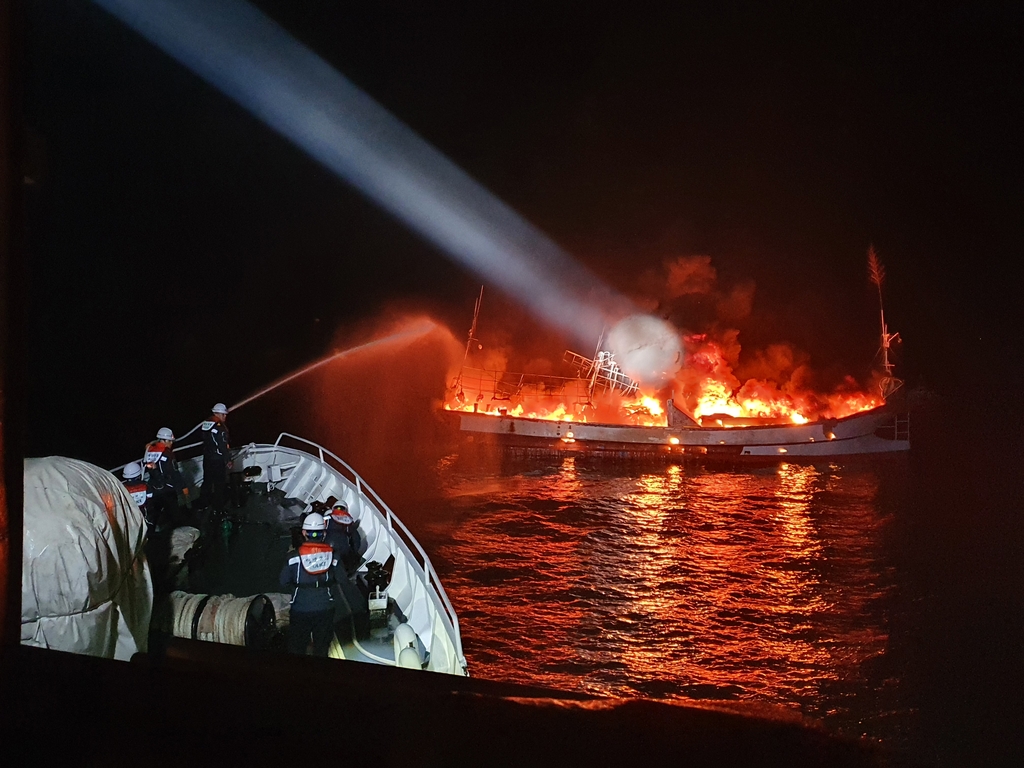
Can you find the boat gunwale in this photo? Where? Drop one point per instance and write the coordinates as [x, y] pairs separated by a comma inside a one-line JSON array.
[[878, 409]]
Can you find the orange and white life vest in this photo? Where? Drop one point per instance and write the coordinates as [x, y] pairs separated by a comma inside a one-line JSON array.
[[137, 490], [316, 558], [154, 452]]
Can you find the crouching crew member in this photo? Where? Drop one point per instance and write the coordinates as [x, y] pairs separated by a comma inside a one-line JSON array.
[[164, 481], [310, 575], [216, 463], [136, 486]]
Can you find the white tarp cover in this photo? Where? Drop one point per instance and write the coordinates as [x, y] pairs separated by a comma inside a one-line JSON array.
[[85, 583]]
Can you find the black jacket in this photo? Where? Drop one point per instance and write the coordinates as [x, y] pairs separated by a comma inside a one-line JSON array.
[[164, 474], [309, 575], [216, 445]]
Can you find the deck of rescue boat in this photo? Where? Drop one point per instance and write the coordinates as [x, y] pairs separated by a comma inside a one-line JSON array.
[[242, 554]]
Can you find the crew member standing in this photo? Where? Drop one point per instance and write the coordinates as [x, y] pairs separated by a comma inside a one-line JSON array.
[[216, 461], [341, 535], [310, 575], [164, 481], [136, 486]]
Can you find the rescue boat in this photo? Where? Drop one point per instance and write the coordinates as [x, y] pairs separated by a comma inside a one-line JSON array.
[[391, 609], [97, 581]]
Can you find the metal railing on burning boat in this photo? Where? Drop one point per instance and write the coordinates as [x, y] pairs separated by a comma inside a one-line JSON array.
[[315, 476]]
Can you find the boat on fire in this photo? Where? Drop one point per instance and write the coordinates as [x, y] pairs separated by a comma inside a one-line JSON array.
[[496, 409], [885, 429]]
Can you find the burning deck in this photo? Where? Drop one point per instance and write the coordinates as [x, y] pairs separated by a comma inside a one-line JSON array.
[[880, 430]]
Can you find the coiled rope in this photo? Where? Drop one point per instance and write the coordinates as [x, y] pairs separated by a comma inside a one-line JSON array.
[[183, 607], [213, 618]]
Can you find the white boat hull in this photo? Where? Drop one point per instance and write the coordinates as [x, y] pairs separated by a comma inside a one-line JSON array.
[[880, 430]]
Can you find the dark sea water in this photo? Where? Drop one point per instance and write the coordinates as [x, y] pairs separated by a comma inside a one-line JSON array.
[[879, 597]]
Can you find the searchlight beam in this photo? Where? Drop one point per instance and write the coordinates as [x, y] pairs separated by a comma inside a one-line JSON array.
[[252, 60]]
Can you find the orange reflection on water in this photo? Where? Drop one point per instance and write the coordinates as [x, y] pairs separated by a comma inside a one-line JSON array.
[[639, 576], [759, 584], [794, 496]]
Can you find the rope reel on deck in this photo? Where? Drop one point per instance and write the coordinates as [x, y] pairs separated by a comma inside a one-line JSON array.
[[249, 621]]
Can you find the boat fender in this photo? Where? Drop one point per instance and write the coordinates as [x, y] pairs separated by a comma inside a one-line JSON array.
[[409, 658], [405, 637]]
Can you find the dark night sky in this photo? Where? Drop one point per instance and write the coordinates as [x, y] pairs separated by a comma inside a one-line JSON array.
[[181, 253]]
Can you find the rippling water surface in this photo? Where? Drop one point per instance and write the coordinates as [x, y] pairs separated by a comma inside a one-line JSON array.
[[771, 584]]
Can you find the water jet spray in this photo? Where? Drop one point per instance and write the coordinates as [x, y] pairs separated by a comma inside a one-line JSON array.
[[421, 328]]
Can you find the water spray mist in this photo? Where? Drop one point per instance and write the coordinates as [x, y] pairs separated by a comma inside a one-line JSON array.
[[421, 328]]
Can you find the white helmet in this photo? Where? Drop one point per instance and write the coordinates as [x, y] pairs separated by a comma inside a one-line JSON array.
[[164, 433], [340, 514], [132, 471], [220, 408], [314, 522]]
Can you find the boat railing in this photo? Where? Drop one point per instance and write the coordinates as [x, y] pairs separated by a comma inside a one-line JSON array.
[[394, 524], [477, 385]]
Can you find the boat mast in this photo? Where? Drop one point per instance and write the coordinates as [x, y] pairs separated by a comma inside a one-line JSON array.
[[889, 383], [457, 385], [598, 362]]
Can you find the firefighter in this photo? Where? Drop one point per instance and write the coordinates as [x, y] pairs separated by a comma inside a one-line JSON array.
[[216, 461], [164, 482], [310, 575], [136, 486]]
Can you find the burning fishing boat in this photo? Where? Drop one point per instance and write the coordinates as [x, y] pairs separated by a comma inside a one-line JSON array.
[[598, 409]]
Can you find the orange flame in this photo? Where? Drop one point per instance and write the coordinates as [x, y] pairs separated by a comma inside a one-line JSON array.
[[705, 387]]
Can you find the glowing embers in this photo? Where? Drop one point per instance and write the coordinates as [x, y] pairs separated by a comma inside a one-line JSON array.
[[646, 411], [641, 411], [559, 412]]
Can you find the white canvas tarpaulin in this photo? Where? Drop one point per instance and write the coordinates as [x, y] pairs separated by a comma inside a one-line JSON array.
[[85, 586]]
